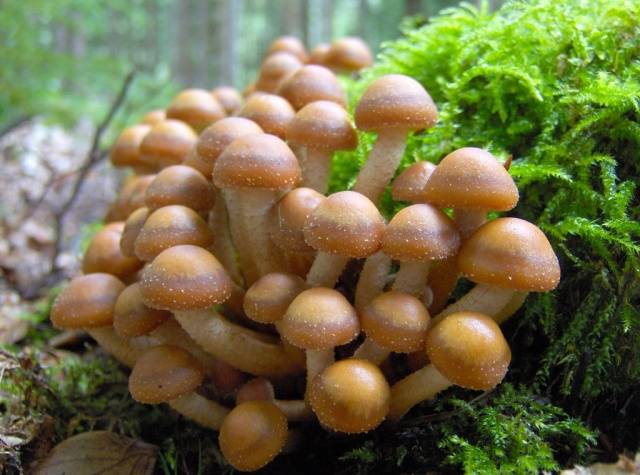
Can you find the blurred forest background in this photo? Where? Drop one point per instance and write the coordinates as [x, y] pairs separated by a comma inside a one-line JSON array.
[[65, 59]]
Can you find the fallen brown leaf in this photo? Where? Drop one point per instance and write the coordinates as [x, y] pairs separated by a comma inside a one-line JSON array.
[[99, 452]]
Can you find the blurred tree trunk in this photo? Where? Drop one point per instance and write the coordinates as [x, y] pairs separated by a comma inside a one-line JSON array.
[[326, 23], [229, 39], [294, 19], [363, 20], [412, 7]]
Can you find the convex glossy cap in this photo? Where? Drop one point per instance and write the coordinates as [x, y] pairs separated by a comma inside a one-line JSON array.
[[132, 227], [272, 113], [267, 300], [125, 152], [312, 83], [289, 44], [179, 185], [131, 317], [167, 143], [274, 68], [289, 216], [349, 54], [322, 125], [104, 254], [410, 184], [215, 138], [196, 107], [154, 116], [228, 97]]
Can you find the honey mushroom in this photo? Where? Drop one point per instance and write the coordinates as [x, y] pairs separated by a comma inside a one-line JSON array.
[[211, 143], [348, 55], [287, 221], [196, 107], [104, 254], [261, 389], [350, 396], [288, 44], [252, 435], [318, 130], [318, 54], [132, 227], [318, 320], [466, 349], [274, 68], [188, 281], [393, 321], [312, 83], [229, 98], [154, 116], [130, 198], [170, 374], [254, 170], [272, 113], [179, 185], [345, 225], [507, 258], [392, 106], [167, 143], [125, 152]]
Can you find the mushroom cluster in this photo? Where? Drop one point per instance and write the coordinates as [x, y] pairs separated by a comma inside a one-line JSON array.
[[218, 276]]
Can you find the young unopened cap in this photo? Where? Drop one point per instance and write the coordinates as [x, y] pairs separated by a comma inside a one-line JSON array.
[[275, 67], [396, 321], [215, 138], [267, 300], [350, 396], [289, 216], [163, 373], [409, 185], [320, 318], [395, 101], [126, 150], [272, 113], [167, 143], [510, 253], [347, 223], [185, 278], [312, 83], [420, 233], [179, 185], [196, 107], [322, 125], [87, 302], [469, 350], [471, 178], [289, 44], [132, 227], [319, 54], [257, 161], [349, 54], [131, 317], [171, 226], [154, 116], [104, 254], [228, 97]]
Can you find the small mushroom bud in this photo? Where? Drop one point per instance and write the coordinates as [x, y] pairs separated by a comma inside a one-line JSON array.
[[312, 83], [466, 349], [229, 98], [349, 55], [350, 396], [252, 435], [170, 374], [126, 150], [274, 68], [167, 143], [319, 53], [272, 113], [179, 185], [196, 107], [288, 44], [154, 116], [392, 106], [104, 254]]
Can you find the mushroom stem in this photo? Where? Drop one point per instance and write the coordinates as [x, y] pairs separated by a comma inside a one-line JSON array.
[[256, 205], [317, 361], [171, 333], [497, 302], [296, 410], [412, 278], [115, 345], [373, 278], [382, 163], [419, 386], [316, 168], [371, 351], [326, 270], [199, 409], [222, 246], [468, 220], [238, 233], [245, 349]]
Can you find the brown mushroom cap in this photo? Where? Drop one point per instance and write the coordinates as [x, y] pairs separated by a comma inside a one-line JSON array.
[[267, 300], [272, 113], [195, 161], [256, 389], [131, 317], [154, 116], [126, 150], [350, 396], [252, 434], [167, 143], [171, 226], [185, 278], [131, 197], [347, 224], [420, 233], [274, 68], [510, 253], [349, 54], [179, 185], [87, 302], [289, 44], [395, 101], [319, 53], [409, 185], [228, 97], [396, 321], [470, 350], [289, 217], [320, 318], [312, 83], [163, 373], [322, 125], [471, 178], [196, 107], [104, 255], [132, 227], [257, 161], [215, 138]]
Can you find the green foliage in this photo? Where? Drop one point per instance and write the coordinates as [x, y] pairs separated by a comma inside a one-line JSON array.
[[556, 85]]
